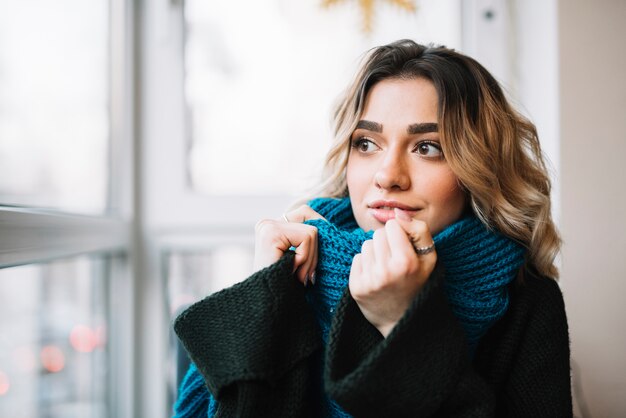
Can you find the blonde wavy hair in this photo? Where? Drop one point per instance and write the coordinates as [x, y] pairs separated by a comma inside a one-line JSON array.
[[493, 150]]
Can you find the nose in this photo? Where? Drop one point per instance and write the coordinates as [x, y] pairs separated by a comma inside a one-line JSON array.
[[393, 172]]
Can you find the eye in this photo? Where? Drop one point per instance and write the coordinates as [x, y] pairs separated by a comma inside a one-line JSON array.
[[429, 149], [364, 145]]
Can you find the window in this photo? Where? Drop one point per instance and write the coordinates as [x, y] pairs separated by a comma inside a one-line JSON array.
[[54, 356], [65, 208], [54, 104], [260, 85]]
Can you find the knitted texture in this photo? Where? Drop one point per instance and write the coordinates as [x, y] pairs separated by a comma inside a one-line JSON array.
[[422, 367], [193, 397], [479, 264], [339, 239], [227, 356]]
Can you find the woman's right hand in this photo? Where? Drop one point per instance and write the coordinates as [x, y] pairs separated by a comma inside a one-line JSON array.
[[274, 237]]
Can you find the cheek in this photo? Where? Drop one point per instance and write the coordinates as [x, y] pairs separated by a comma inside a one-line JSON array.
[[447, 198], [355, 178], [446, 191]]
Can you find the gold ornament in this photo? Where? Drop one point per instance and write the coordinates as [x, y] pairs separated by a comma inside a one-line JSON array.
[[367, 9]]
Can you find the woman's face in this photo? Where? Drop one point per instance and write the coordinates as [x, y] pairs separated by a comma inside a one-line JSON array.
[[396, 159]]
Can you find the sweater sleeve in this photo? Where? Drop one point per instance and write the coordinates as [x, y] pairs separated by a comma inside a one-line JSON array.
[[528, 354], [254, 342], [421, 369]]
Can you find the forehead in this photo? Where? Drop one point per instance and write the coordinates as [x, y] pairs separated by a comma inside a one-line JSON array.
[[402, 101]]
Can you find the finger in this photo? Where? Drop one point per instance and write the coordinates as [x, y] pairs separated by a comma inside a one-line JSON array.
[[273, 238], [310, 248], [357, 264], [316, 249], [302, 262], [417, 230], [295, 233], [356, 273], [367, 253], [301, 214], [368, 263], [404, 259], [399, 241], [270, 242], [381, 244]]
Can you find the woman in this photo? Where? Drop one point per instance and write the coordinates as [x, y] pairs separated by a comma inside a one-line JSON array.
[[429, 284]]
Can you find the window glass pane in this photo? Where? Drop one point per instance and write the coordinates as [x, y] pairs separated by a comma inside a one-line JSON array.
[[53, 354], [260, 84], [54, 95], [192, 276]]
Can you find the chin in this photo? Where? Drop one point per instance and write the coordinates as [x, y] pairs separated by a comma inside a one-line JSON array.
[[366, 224], [370, 224]]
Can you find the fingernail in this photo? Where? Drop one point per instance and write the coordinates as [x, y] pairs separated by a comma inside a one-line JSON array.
[[400, 214], [313, 278]]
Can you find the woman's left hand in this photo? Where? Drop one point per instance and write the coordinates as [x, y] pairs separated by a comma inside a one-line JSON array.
[[388, 273]]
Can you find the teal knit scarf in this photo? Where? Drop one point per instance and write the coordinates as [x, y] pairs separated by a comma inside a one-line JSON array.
[[478, 264]]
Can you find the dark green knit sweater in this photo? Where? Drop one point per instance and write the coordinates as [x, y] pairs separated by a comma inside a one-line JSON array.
[[258, 347]]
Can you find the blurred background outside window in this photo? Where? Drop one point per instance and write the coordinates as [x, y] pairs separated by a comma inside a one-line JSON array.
[[59, 240], [54, 104], [53, 348], [260, 85]]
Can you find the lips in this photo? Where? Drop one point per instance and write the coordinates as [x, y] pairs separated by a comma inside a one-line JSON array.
[[383, 210], [390, 204]]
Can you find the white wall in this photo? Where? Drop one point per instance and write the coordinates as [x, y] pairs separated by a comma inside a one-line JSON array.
[[518, 44], [592, 72]]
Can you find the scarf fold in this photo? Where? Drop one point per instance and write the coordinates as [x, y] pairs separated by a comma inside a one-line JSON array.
[[478, 263]]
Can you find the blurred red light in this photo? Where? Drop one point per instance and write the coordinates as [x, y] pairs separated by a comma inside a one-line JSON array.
[[83, 339], [4, 383], [52, 358]]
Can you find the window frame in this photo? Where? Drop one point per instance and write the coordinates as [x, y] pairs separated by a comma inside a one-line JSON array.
[[31, 235]]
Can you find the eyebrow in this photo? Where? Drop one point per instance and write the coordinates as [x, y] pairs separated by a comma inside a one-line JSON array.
[[415, 128], [421, 128], [370, 126]]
